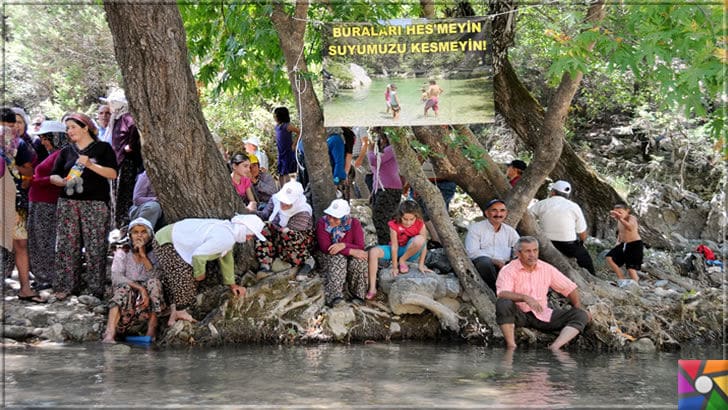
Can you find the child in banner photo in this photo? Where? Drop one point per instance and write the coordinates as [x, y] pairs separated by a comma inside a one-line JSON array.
[[408, 237], [388, 97], [394, 102]]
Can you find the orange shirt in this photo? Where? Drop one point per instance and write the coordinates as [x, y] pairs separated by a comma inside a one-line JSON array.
[[515, 278]]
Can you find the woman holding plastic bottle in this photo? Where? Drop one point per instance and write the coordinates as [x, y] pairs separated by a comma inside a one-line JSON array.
[[83, 169]]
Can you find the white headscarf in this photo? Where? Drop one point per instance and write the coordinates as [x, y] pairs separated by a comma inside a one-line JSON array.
[[119, 106], [298, 201], [244, 225]]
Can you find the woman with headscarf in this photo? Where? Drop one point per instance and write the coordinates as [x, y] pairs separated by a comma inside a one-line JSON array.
[[341, 253], [137, 288], [124, 136], [183, 249], [289, 229], [43, 197], [83, 168]]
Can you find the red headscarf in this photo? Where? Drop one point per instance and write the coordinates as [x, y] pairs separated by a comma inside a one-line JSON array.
[[86, 120]]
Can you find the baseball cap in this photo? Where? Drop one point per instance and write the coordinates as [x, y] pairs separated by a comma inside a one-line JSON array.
[[339, 208], [49, 126], [252, 140], [253, 159], [562, 186], [493, 202], [289, 192], [518, 164]]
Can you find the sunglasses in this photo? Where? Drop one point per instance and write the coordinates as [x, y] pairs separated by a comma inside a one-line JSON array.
[[36, 124]]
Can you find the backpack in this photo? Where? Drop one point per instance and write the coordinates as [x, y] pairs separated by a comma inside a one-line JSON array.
[[706, 252]]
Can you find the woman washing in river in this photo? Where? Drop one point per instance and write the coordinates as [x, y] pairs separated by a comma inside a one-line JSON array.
[[137, 288], [185, 247]]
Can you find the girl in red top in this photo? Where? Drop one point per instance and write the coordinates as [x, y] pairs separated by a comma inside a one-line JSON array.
[[408, 237]]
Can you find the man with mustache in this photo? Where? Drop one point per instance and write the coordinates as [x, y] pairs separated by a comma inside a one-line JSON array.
[[489, 243]]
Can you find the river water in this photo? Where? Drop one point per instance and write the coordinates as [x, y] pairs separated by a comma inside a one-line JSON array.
[[338, 376]]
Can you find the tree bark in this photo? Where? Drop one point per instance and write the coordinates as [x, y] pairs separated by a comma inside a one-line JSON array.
[[291, 31], [527, 118], [484, 185], [481, 297], [180, 155]]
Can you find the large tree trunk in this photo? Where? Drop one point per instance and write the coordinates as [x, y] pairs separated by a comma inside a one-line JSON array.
[[484, 185], [469, 278], [526, 117], [291, 31], [186, 170]]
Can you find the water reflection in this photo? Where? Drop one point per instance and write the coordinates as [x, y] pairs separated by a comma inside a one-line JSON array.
[[378, 375]]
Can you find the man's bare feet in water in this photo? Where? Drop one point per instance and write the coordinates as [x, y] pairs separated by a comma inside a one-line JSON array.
[[179, 315]]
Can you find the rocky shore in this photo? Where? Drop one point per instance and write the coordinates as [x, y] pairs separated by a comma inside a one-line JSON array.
[[680, 300]]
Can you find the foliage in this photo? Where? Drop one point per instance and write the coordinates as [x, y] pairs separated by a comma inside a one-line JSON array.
[[237, 49], [59, 57], [671, 54], [230, 124]]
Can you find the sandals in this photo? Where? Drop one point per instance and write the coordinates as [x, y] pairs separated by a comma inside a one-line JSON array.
[[403, 268], [371, 295]]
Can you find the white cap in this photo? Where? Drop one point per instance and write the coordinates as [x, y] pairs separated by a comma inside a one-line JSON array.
[[290, 192], [49, 126], [116, 95], [339, 208], [254, 224], [562, 186], [252, 140]]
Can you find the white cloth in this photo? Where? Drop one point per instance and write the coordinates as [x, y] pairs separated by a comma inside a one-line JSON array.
[[560, 218], [483, 240], [193, 237], [300, 205]]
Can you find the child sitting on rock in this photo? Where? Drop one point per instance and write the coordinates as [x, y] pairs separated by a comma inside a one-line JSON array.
[[408, 240]]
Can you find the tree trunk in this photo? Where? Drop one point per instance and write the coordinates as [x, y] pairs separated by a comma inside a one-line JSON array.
[[180, 155], [484, 185], [469, 278], [526, 117], [291, 31]]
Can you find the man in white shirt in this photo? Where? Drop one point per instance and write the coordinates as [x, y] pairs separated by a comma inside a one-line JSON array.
[[562, 221], [489, 243]]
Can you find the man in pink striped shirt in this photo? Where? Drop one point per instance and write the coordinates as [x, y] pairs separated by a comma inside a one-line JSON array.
[[522, 288]]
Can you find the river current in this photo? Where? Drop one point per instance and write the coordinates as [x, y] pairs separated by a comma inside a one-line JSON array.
[[380, 375]]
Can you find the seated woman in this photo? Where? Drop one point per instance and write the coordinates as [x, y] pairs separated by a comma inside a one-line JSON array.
[[341, 253], [137, 288], [289, 228], [183, 249], [240, 164]]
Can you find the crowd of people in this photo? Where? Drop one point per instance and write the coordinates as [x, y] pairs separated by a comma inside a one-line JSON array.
[[72, 181]]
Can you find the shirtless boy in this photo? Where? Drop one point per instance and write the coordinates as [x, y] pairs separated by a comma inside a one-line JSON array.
[[433, 94], [629, 249]]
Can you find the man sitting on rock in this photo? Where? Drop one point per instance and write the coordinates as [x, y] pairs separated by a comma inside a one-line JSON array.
[[489, 243], [522, 289], [563, 222]]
